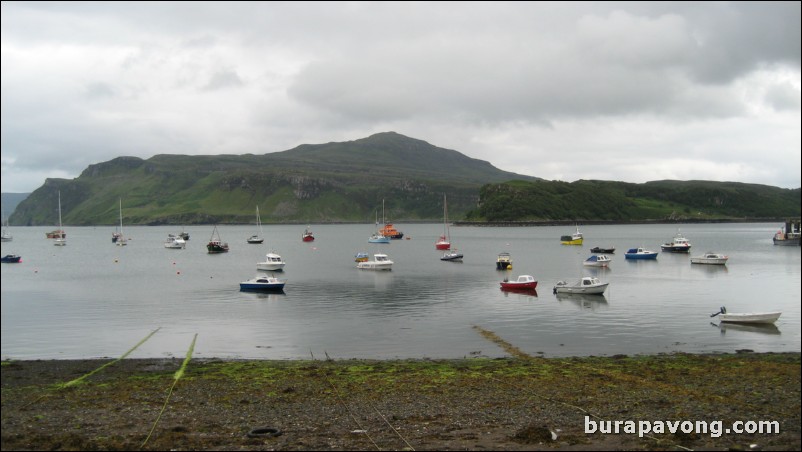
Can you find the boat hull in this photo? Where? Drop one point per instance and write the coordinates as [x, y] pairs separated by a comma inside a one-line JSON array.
[[709, 261], [571, 241], [602, 250], [675, 249], [11, 259], [643, 257], [266, 287], [751, 317], [518, 286], [596, 290], [381, 266], [786, 241], [587, 286], [56, 234], [452, 257]]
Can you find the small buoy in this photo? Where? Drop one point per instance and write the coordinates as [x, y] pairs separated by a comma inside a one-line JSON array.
[[115, 261], [178, 273]]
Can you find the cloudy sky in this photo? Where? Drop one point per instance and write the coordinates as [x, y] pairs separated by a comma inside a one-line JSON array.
[[564, 91]]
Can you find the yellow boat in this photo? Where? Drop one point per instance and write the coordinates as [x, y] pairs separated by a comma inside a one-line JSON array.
[[573, 239]]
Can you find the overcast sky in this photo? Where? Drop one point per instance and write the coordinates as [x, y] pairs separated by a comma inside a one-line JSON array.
[[564, 91]]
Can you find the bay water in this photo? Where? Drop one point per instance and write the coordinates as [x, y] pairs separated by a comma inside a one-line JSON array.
[[93, 299]]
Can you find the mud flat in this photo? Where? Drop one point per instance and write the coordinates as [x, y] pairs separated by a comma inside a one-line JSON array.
[[519, 403]]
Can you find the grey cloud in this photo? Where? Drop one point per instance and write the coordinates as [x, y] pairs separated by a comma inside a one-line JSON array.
[[223, 79]]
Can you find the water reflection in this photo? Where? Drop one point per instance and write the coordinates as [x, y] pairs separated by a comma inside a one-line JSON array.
[[710, 270], [265, 296], [521, 293], [583, 300], [768, 328]]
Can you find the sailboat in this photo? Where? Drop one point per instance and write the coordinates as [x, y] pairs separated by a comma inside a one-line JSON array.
[[121, 240], [6, 235], [379, 237], [60, 236], [257, 238], [444, 242]]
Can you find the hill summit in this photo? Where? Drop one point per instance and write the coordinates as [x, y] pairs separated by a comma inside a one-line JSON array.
[[332, 182]]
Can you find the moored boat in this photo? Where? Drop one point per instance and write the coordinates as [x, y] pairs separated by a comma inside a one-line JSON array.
[[710, 258], [600, 250], [640, 253], [257, 239], [379, 262], [597, 260], [263, 283], [574, 239], [215, 245], [444, 241], [378, 238], [273, 262], [307, 236], [11, 259], [587, 285], [7, 237], [452, 256], [504, 261], [679, 244], [175, 242], [58, 233], [789, 234], [390, 231], [524, 282], [747, 317]]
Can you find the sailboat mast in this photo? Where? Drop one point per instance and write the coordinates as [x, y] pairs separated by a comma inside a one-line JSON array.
[[445, 218]]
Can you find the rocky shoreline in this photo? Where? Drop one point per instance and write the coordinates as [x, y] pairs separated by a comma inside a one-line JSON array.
[[519, 403]]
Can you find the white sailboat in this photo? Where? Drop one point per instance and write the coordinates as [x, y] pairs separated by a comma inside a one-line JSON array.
[[60, 238], [377, 236], [6, 235], [257, 238], [121, 240]]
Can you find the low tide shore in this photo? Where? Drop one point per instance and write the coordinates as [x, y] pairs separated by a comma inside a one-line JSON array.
[[518, 403]]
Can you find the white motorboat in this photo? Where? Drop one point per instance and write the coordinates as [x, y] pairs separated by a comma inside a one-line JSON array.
[[379, 262], [747, 317], [586, 285], [710, 258], [452, 256], [175, 242], [597, 260], [273, 263]]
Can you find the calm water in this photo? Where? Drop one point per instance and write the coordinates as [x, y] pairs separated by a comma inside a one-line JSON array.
[[94, 299]]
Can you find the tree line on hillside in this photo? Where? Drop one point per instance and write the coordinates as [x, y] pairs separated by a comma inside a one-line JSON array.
[[622, 201]]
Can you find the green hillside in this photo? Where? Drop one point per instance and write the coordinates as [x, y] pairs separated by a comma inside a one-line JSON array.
[[621, 201], [346, 182], [333, 182]]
